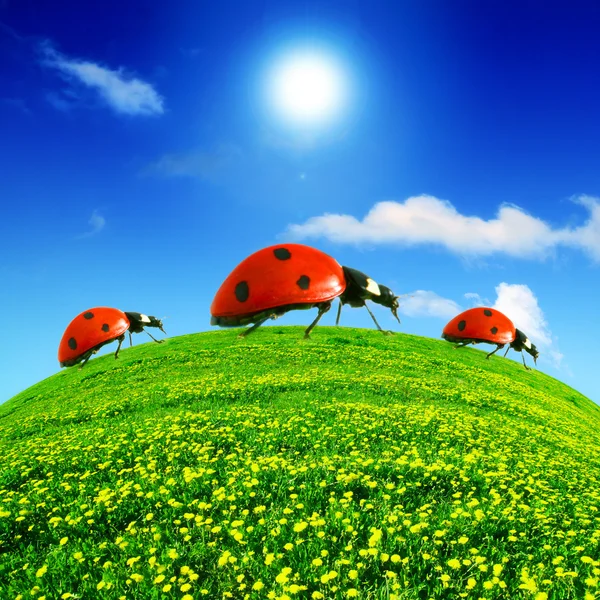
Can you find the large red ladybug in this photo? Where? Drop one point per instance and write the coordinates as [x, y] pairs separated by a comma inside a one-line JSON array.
[[94, 328], [287, 277], [488, 325]]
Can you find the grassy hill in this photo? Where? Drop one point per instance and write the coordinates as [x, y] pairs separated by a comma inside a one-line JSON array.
[[348, 465]]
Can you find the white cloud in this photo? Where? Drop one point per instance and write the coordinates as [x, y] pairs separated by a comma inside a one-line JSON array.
[[521, 306], [422, 303], [96, 222], [476, 299], [203, 165], [428, 220], [519, 303], [124, 93]]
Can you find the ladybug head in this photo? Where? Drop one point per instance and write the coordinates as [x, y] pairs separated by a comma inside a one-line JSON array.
[[139, 321], [522, 343], [154, 322], [387, 298]]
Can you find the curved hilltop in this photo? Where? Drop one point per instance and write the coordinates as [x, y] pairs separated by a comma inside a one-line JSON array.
[[348, 465]]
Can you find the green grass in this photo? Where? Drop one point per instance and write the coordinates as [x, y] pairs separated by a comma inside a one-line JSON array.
[[348, 465]]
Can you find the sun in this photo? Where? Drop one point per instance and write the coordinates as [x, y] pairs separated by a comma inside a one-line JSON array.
[[307, 87]]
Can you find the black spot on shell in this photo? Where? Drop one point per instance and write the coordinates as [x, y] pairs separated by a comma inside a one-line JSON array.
[[494, 330], [73, 344], [282, 253], [487, 313], [461, 325], [105, 327], [242, 292], [304, 282], [88, 315]]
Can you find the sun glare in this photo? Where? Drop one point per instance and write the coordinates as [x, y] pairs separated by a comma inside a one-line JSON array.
[[307, 87]]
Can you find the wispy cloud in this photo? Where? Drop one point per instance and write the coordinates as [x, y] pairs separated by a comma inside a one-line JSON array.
[[429, 220], [422, 303], [59, 101], [9, 31], [16, 103], [203, 165], [122, 92], [96, 223]]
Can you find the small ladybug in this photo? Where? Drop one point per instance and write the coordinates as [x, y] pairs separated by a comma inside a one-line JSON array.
[[94, 328], [488, 325], [278, 279]]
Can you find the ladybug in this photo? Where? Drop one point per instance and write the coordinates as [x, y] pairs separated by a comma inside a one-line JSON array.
[[94, 328], [287, 277], [488, 325]]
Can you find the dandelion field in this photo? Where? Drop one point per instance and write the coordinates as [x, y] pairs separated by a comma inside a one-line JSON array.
[[351, 465]]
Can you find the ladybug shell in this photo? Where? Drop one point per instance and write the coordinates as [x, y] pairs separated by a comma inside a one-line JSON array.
[[481, 323], [94, 326], [278, 276]]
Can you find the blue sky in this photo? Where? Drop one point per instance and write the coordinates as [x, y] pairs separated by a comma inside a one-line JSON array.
[[142, 159]]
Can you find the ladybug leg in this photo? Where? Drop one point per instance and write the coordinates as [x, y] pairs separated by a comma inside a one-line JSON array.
[[130, 340], [255, 326], [337, 321], [157, 341], [461, 345], [506, 352], [120, 338], [496, 350], [523, 357], [86, 359], [375, 321], [323, 308]]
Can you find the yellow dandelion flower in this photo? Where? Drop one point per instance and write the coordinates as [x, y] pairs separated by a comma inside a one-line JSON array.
[[41, 571], [172, 554], [541, 596], [454, 563], [159, 579], [471, 583], [298, 527], [63, 541], [283, 576], [185, 587], [269, 559], [445, 577], [352, 593], [167, 588], [187, 597], [259, 585]]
